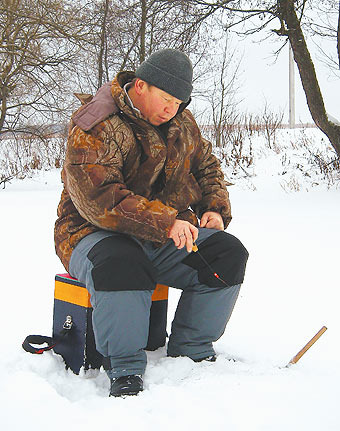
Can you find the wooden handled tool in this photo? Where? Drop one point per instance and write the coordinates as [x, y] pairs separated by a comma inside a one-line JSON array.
[[298, 356]]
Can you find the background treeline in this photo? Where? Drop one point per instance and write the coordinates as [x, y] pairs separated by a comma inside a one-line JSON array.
[[52, 48]]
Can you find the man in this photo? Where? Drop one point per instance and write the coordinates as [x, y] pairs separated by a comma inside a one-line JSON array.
[[137, 177]]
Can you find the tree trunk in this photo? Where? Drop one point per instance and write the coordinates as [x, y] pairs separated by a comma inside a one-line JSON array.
[[307, 73], [142, 32], [2, 112], [103, 42], [338, 37]]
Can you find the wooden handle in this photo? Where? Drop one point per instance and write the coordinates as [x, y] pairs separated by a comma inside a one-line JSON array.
[[307, 346]]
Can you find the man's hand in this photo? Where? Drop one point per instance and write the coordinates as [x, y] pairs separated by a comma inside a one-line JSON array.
[[212, 220], [183, 234]]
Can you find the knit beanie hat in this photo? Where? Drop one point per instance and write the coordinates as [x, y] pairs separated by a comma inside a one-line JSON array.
[[170, 70]]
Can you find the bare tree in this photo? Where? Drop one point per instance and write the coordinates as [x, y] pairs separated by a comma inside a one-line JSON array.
[[222, 98], [290, 15], [103, 54], [290, 27], [39, 40], [128, 31], [47, 51], [327, 27]]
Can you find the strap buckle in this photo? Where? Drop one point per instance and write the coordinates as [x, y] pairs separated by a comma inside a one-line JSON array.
[[68, 323]]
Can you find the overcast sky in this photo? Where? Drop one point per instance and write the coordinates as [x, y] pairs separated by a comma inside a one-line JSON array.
[[266, 80]]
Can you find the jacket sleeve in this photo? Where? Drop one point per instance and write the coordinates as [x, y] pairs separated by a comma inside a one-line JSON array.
[[209, 175], [94, 180]]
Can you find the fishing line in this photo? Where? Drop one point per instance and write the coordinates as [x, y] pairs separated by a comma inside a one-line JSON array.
[[195, 250]]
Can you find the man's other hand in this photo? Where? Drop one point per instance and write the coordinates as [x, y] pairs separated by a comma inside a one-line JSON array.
[[212, 220]]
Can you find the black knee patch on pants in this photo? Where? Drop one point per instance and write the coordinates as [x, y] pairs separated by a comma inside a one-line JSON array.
[[119, 263], [226, 256]]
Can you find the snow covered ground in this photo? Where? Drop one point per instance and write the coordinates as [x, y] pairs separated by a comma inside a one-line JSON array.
[[291, 290]]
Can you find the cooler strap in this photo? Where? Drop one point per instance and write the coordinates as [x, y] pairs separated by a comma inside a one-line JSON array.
[[38, 339], [41, 339]]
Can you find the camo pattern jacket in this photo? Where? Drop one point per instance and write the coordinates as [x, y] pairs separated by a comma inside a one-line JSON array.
[[125, 175]]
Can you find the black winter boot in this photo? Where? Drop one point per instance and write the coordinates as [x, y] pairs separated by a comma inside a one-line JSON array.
[[126, 385], [211, 358]]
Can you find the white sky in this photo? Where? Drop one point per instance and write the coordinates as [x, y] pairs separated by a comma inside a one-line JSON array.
[[264, 80]]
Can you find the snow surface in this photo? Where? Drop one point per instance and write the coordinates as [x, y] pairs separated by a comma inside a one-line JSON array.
[[291, 290]]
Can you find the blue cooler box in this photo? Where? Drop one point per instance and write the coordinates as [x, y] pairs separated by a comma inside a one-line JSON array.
[[72, 305]]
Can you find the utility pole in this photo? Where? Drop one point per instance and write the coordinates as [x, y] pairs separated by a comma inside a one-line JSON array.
[[291, 90]]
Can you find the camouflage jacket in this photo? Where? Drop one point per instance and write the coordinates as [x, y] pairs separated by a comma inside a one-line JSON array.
[[123, 174]]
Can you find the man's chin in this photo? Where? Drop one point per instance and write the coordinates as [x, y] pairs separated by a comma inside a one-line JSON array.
[[158, 121]]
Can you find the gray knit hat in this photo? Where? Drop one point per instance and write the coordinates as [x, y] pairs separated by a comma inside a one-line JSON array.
[[170, 70]]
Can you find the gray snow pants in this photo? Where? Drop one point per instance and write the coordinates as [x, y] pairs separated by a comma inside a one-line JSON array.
[[121, 317]]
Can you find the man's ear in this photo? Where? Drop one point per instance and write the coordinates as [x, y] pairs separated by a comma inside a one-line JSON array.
[[140, 86]]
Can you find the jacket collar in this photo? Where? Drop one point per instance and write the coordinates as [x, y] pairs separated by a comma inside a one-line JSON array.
[[110, 99]]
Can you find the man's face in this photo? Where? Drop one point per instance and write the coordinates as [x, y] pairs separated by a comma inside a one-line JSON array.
[[156, 105]]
